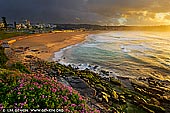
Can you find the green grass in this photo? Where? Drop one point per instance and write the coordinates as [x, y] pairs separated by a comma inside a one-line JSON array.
[[3, 58], [5, 35], [134, 109], [19, 66]]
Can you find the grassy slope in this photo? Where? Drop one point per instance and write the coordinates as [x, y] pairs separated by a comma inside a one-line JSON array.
[[3, 57], [5, 35]]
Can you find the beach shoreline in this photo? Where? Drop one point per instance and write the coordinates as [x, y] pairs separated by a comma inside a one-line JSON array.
[[45, 45]]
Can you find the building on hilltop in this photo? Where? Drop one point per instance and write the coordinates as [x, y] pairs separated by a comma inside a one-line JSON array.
[[27, 23], [2, 25]]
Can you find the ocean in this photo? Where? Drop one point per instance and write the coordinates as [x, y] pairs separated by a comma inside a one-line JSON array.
[[122, 53]]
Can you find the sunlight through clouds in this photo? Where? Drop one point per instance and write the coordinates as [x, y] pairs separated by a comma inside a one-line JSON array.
[[102, 12]]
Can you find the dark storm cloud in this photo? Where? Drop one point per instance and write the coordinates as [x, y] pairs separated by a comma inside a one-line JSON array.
[[42, 10], [112, 7], [81, 11]]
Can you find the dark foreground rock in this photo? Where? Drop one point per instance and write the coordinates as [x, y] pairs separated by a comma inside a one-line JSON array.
[[81, 86]]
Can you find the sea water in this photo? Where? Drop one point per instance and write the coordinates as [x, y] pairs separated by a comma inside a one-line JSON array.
[[124, 53]]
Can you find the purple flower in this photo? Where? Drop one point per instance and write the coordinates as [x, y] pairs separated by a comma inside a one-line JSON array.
[[97, 111], [25, 102], [70, 89], [42, 96], [73, 105], [22, 104], [83, 111], [82, 105], [25, 97], [19, 93], [31, 88], [45, 83], [21, 85], [80, 98], [22, 80], [53, 85], [1, 107], [54, 90], [65, 98]]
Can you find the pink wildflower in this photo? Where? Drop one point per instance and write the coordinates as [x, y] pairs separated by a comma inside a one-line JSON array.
[[42, 96], [22, 104], [73, 105], [65, 98], [97, 111], [22, 80], [31, 88], [54, 90], [83, 111], [39, 86], [53, 85], [45, 83], [70, 89], [25, 102], [80, 98], [35, 83], [1, 107], [21, 85]]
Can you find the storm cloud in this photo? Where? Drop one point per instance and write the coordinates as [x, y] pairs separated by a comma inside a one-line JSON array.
[[104, 12]]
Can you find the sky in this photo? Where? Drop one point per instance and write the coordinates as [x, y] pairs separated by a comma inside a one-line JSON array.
[[102, 12]]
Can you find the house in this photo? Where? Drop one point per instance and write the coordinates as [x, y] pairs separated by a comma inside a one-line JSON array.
[[18, 26], [2, 25]]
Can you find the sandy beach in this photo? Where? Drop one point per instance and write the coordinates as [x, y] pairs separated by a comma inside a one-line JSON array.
[[44, 45]]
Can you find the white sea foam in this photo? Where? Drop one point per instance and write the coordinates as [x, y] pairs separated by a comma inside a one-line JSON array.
[[128, 53], [60, 54]]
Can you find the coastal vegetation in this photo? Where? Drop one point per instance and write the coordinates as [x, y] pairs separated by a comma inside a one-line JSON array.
[[20, 67], [9, 34], [38, 91], [19, 90], [3, 57]]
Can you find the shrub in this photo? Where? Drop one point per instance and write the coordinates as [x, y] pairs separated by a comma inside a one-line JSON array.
[[3, 57], [19, 66], [39, 91]]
